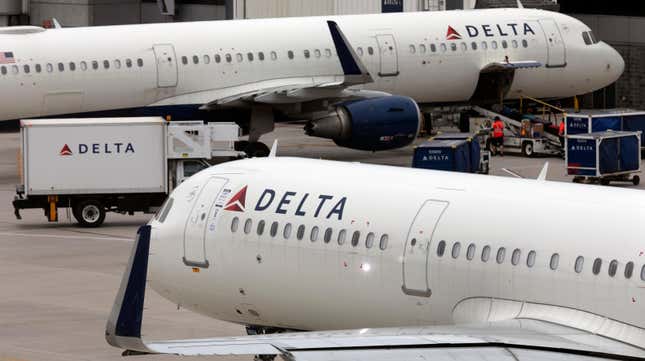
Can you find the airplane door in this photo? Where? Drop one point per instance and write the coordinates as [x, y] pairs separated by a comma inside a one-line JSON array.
[[555, 44], [166, 65], [417, 248], [388, 55], [195, 231]]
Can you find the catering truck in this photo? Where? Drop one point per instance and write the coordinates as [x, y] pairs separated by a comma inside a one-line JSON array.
[[123, 165]]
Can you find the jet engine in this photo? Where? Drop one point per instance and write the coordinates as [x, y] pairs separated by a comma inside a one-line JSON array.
[[373, 124]]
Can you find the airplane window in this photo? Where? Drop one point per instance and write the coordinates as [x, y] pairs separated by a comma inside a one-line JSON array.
[[117, 64], [218, 58], [328, 53], [441, 248], [514, 43], [308, 54], [290, 54], [580, 261], [586, 38], [504, 44], [485, 253], [464, 47], [555, 260], [593, 37], [484, 45], [470, 253], [355, 238], [525, 43], [139, 62], [629, 270], [613, 268], [274, 55], [597, 265], [328, 234], [106, 64], [643, 273], [286, 232], [443, 47], [248, 224], [501, 254], [95, 64], [369, 241], [72, 66], [314, 234], [239, 57], [474, 45], [422, 49], [234, 224], [3, 70], [207, 59], [39, 68], [530, 260], [433, 48], [456, 248], [370, 50], [413, 49], [261, 56], [300, 234], [195, 59], [515, 259], [49, 67], [128, 63], [274, 229], [26, 69], [184, 60], [493, 44], [260, 229], [229, 58], [383, 242], [61, 67], [341, 237], [453, 47], [14, 69], [165, 210], [250, 56], [83, 65]]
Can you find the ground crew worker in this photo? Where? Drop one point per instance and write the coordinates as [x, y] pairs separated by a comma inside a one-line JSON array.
[[561, 133], [498, 136]]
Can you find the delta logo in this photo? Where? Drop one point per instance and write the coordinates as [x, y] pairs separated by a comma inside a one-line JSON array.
[[65, 151], [98, 148], [237, 203], [452, 34]]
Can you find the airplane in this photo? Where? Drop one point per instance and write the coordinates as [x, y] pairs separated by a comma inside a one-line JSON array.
[[355, 79], [332, 260]]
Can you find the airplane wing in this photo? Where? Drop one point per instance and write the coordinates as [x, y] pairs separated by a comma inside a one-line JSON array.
[[510, 65], [296, 89], [512, 339]]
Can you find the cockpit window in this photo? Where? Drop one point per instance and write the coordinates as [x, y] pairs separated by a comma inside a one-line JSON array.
[[589, 38], [165, 209]]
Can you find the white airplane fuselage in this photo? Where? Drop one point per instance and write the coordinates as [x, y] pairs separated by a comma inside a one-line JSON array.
[[229, 247], [432, 57]]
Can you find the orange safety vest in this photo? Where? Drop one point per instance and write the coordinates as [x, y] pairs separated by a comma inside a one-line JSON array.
[[498, 129], [561, 131]]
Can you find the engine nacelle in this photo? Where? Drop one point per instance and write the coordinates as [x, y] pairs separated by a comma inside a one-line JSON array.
[[370, 124]]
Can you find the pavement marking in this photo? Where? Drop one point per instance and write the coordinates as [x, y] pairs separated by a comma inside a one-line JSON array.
[[65, 236]]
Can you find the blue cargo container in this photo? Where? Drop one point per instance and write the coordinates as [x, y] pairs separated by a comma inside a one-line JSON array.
[[604, 156], [474, 147], [593, 121], [448, 155]]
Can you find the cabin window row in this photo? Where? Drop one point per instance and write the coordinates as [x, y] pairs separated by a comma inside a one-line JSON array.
[[71, 66], [484, 45], [554, 261], [314, 234], [250, 56]]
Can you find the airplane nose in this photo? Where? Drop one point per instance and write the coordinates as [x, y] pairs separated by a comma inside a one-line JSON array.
[[615, 64]]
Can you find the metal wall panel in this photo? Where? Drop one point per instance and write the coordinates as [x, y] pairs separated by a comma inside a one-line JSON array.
[[251, 9]]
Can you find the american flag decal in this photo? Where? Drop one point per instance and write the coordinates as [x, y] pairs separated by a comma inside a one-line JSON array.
[[6, 57]]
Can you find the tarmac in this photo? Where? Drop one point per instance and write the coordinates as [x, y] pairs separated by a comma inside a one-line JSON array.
[[58, 281]]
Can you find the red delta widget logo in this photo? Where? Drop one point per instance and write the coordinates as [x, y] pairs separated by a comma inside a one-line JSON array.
[[98, 148]]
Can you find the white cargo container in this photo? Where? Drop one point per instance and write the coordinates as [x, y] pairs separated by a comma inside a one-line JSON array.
[[125, 165]]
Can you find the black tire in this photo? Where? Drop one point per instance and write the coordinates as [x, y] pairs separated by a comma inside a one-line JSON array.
[[636, 180], [604, 181], [89, 213], [240, 145], [257, 150], [527, 149]]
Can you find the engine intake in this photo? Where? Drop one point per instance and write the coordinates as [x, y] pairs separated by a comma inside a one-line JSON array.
[[370, 124]]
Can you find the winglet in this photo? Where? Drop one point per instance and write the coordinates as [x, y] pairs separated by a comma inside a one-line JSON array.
[[519, 4], [274, 149], [354, 69], [57, 25], [123, 328], [543, 172]]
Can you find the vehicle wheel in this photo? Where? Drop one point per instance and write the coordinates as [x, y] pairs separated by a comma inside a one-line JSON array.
[[604, 181], [89, 213], [485, 168], [240, 145], [636, 180], [578, 179], [527, 149], [257, 149]]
